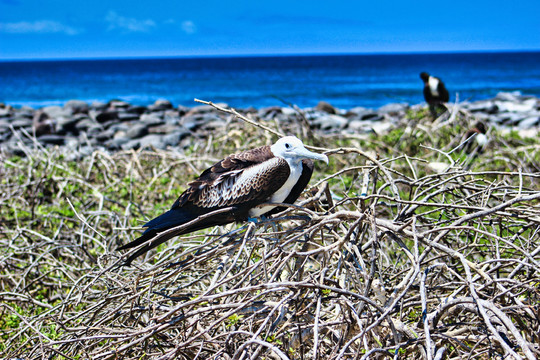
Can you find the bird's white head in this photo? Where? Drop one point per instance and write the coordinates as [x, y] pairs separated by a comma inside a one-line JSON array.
[[293, 150]]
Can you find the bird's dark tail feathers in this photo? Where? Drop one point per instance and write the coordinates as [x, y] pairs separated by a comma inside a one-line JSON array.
[[161, 229]]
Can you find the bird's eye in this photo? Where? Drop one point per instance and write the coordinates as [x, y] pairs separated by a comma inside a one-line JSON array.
[[287, 145]]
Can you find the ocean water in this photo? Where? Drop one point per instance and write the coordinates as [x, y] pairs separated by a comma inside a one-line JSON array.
[[345, 81]]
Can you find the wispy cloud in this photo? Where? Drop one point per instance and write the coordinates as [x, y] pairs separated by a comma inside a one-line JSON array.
[[38, 27], [128, 24], [189, 27]]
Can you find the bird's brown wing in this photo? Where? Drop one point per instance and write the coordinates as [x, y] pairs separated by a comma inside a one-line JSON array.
[[246, 178]]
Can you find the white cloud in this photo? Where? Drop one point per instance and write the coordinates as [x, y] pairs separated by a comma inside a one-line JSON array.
[[128, 24], [189, 27], [38, 27]]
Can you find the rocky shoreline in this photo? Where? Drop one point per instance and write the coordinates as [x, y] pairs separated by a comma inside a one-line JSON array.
[[118, 125]]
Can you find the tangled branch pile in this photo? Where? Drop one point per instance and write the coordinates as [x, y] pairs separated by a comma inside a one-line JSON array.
[[384, 256]]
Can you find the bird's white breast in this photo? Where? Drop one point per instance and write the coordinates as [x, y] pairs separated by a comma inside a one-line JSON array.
[[433, 84], [282, 193], [481, 139]]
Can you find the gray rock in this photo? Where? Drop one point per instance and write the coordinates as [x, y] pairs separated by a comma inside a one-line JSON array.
[[98, 106], [394, 108], [172, 120], [325, 107], [80, 153], [126, 116], [160, 104], [509, 96], [498, 119], [529, 122], [509, 118], [381, 127], [105, 135], [13, 147], [85, 124], [94, 130], [56, 111], [111, 123], [131, 144], [117, 143], [163, 129], [136, 109], [152, 140], [373, 117], [171, 113], [120, 134], [27, 109], [361, 113], [513, 106], [118, 104], [191, 122], [4, 137], [67, 124], [152, 119], [72, 142], [148, 141], [327, 122], [51, 139], [269, 112], [77, 106], [355, 113], [21, 123], [248, 110], [214, 124], [137, 130], [182, 110], [359, 127], [174, 138], [486, 106], [40, 116], [4, 112], [213, 120], [119, 127], [106, 116], [4, 125], [200, 109]]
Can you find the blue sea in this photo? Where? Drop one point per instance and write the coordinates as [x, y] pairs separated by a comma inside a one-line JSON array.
[[345, 81]]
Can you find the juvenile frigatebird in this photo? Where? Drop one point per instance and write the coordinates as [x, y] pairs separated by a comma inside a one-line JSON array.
[[480, 139], [236, 185], [435, 93]]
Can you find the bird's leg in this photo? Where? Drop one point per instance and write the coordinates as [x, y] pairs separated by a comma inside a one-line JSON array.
[[230, 234], [266, 221], [256, 220], [275, 226]]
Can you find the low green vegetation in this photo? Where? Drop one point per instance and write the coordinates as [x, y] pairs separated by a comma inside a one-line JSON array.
[[429, 206]]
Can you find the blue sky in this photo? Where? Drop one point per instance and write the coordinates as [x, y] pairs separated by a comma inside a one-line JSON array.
[[122, 28]]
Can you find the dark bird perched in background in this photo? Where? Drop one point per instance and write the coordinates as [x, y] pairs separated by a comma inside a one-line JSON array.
[[236, 185], [435, 93]]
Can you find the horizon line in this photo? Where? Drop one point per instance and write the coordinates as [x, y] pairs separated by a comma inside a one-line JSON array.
[[248, 55]]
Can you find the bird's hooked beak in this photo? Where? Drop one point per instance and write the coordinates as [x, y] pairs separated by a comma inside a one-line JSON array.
[[306, 154]]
